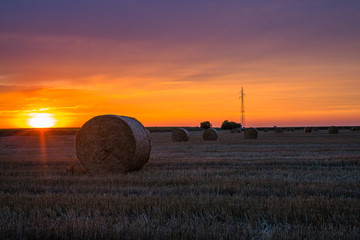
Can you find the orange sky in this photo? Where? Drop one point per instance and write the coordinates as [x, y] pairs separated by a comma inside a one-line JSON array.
[[181, 65]]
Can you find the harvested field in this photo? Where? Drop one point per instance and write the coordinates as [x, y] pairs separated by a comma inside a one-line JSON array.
[[279, 186]]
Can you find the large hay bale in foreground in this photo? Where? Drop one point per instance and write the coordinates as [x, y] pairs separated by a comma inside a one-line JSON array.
[[235, 130], [250, 133], [333, 130], [180, 135], [307, 130], [113, 144], [210, 135]]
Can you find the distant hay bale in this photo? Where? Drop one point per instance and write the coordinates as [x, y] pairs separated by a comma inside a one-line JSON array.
[[180, 135], [250, 133], [316, 129], [355, 129], [266, 130], [113, 144], [333, 130], [307, 130], [278, 130], [235, 130], [210, 135]]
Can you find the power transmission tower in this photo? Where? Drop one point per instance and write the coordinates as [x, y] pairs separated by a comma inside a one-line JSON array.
[[242, 95]]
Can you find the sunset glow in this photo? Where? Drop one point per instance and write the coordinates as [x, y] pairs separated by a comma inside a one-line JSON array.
[[170, 63], [41, 120]]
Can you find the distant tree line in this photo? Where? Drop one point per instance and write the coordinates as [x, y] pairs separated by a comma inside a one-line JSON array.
[[230, 125], [225, 125], [205, 125]]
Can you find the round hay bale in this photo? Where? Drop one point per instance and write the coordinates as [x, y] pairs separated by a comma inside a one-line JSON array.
[[113, 144], [355, 129], [316, 129], [333, 130], [250, 133], [180, 135], [148, 133], [307, 130], [210, 135], [235, 130], [266, 130]]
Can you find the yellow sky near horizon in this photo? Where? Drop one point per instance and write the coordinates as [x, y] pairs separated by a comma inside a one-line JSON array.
[[189, 103]]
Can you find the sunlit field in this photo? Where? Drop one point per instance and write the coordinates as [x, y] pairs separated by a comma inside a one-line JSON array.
[[290, 185]]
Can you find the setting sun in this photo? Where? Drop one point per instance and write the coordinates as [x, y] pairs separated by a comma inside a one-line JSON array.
[[41, 120]]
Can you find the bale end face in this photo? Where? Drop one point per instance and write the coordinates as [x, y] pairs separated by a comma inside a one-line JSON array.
[[250, 133], [210, 135], [113, 144], [180, 135]]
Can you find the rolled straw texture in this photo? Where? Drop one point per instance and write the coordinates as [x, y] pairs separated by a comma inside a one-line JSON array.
[[210, 135], [250, 133], [113, 144], [180, 135]]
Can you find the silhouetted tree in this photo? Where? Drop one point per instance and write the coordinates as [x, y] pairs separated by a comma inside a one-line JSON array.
[[205, 125], [230, 125]]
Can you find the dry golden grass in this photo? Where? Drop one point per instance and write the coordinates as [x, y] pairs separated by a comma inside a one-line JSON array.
[[280, 186]]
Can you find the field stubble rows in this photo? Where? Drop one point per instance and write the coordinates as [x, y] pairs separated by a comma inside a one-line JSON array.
[[281, 186]]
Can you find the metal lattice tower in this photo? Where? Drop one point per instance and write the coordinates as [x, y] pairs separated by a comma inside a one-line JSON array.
[[242, 95]]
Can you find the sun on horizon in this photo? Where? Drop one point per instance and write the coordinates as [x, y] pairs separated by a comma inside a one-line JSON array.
[[41, 120]]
